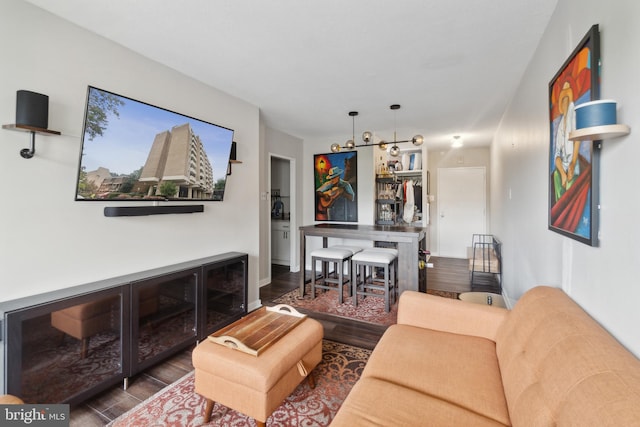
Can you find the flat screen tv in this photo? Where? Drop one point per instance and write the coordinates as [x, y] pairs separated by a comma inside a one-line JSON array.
[[134, 151]]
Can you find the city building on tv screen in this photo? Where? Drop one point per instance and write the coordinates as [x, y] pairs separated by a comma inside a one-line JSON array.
[[136, 151]]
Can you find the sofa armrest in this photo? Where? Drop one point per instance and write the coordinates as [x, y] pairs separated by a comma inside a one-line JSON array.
[[450, 315]]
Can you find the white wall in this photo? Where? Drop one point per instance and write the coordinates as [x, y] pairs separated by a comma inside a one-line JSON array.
[[51, 242], [366, 187], [284, 145], [454, 158], [603, 279]]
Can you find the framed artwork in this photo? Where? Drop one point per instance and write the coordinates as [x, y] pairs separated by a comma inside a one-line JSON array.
[[336, 186], [574, 165]]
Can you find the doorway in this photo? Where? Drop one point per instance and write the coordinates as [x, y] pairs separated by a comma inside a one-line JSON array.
[[462, 209], [282, 210]]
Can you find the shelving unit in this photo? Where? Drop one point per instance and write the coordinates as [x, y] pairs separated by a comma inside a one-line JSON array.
[[389, 209]]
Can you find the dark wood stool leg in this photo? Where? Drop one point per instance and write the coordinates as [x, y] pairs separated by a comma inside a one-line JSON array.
[[61, 339], [208, 409], [85, 348]]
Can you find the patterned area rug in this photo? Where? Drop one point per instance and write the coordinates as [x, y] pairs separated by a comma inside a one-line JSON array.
[[335, 375], [370, 309]]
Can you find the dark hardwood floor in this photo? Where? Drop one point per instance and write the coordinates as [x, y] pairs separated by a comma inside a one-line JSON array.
[[448, 274], [359, 334]]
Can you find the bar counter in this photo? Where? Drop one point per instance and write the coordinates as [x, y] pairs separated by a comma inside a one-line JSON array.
[[408, 239]]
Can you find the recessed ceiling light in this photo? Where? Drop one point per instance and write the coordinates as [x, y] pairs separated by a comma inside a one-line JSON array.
[[456, 142]]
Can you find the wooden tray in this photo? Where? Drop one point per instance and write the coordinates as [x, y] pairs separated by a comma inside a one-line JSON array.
[[258, 330]]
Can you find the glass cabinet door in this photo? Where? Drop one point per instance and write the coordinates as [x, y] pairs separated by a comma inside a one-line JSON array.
[[225, 296], [163, 316], [62, 351]]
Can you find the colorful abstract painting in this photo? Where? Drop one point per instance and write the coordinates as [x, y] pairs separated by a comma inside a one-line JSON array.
[[573, 164]]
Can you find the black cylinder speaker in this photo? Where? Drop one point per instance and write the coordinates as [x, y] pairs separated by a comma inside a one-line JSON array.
[[32, 109], [233, 151]]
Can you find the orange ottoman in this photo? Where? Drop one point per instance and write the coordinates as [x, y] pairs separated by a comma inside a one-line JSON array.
[[85, 320], [257, 385]]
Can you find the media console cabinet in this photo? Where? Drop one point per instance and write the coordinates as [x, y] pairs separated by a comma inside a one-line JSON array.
[[68, 345]]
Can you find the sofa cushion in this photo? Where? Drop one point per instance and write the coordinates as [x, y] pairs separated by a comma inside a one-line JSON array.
[[559, 367], [459, 369], [375, 402], [450, 315]]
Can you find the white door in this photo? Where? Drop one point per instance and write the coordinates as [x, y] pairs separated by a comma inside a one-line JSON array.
[[461, 209]]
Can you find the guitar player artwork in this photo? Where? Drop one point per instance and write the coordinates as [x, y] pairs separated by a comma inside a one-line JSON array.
[[336, 187]]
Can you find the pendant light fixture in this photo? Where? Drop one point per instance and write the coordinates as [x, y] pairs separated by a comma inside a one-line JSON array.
[[367, 137], [350, 144]]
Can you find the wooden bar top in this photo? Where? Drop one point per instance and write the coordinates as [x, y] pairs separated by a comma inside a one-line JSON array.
[[359, 231], [408, 240]]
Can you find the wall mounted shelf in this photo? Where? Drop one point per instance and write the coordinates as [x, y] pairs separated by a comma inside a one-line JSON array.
[[25, 128], [232, 162], [597, 133], [28, 153]]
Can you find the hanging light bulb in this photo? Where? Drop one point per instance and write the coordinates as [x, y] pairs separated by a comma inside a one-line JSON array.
[[394, 149], [350, 144], [417, 140], [335, 148], [367, 136], [383, 145]]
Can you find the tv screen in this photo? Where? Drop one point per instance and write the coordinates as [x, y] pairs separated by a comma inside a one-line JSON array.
[[134, 151]]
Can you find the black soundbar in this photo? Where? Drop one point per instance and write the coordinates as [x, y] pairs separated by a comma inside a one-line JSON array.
[[151, 210]]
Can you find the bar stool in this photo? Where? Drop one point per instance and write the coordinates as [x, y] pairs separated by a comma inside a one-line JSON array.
[[392, 251], [373, 258], [354, 249], [336, 256]]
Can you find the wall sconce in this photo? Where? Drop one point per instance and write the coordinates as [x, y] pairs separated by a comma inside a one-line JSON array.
[[32, 115], [367, 137]]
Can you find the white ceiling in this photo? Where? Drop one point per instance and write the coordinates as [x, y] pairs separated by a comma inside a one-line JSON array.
[[453, 65]]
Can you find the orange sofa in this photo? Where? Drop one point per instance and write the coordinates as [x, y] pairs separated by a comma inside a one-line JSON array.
[[452, 363]]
